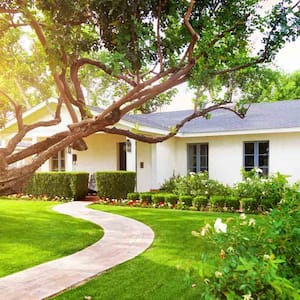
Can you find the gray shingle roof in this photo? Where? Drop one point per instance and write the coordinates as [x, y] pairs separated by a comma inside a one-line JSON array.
[[260, 116]]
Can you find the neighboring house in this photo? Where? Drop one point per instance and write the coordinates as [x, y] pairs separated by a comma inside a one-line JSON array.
[[267, 138]]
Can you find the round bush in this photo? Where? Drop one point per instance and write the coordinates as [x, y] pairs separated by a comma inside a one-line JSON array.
[[171, 198], [232, 203], [200, 202], [187, 201], [217, 202], [249, 204], [158, 198], [133, 196], [146, 197]]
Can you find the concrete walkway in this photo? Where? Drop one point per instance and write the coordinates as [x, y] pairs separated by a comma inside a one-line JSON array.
[[123, 239]]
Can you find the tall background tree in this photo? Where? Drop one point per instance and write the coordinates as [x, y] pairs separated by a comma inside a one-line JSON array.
[[138, 51]]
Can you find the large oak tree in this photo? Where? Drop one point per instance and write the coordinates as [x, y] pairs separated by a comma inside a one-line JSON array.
[[139, 50]]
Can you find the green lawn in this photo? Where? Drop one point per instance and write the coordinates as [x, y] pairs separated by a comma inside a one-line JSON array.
[[31, 233], [162, 272]]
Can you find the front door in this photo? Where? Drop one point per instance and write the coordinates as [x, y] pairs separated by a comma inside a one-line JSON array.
[[122, 156]]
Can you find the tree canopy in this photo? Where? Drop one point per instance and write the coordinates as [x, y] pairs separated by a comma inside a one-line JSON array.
[[138, 51]]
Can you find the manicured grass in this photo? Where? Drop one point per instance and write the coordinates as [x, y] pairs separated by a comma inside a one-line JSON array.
[[31, 233], [164, 270]]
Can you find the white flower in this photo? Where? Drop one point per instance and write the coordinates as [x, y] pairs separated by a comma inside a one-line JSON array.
[[243, 216], [266, 257], [218, 274], [219, 226], [251, 222], [247, 297], [258, 170], [230, 250]]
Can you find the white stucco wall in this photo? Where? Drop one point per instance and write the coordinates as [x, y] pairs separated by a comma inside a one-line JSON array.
[[144, 167], [102, 154], [226, 155], [166, 162]]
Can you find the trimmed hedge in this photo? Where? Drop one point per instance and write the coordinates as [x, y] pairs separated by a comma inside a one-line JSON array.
[[146, 197], [200, 202], [158, 198], [115, 184], [217, 202], [171, 198], [187, 201], [249, 204], [233, 203], [133, 196], [69, 185]]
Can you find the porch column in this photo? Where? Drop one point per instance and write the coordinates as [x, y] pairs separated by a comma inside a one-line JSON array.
[[131, 155]]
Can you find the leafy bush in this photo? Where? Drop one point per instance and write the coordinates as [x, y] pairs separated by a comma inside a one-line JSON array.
[[217, 202], [146, 197], [268, 192], [133, 196], [171, 198], [115, 184], [200, 202], [158, 198], [169, 185], [186, 201], [69, 185], [253, 259], [199, 185], [232, 203]]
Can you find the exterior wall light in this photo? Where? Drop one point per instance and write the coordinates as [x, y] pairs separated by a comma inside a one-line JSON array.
[[128, 145]]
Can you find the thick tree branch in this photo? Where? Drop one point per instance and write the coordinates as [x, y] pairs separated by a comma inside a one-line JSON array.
[[174, 130], [195, 36], [83, 61]]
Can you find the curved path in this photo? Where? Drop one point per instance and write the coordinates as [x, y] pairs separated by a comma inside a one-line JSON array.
[[123, 239]]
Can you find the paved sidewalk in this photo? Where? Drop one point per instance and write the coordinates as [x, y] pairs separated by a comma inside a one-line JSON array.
[[123, 239]]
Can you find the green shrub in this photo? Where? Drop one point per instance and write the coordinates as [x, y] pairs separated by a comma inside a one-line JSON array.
[[146, 197], [171, 198], [133, 196], [158, 198], [252, 259], [217, 202], [268, 192], [186, 201], [69, 185], [232, 203], [200, 202], [169, 185], [249, 204], [115, 184], [200, 185]]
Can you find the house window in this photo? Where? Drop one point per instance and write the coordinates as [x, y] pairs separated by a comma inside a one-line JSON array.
[[58, 162], [256, 155], [197, 157]]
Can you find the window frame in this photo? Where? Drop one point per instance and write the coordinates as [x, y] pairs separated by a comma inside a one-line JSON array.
[[61, 167], [198, 167], [256, 156]]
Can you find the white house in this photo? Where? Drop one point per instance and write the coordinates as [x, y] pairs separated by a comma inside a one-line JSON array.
[[268, 138]]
